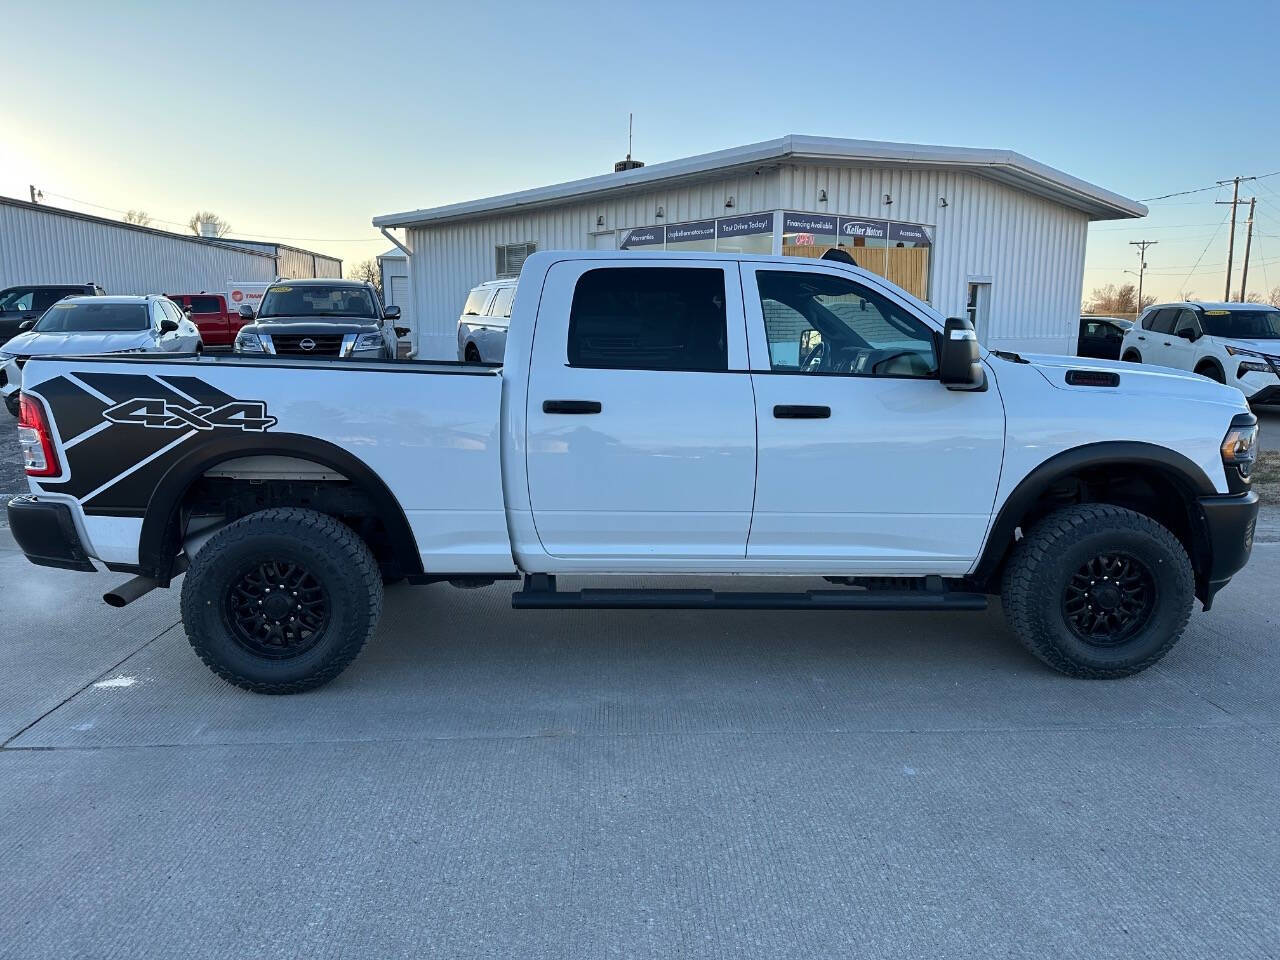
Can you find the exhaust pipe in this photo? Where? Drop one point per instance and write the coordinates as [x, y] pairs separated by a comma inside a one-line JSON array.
[[131, 590]]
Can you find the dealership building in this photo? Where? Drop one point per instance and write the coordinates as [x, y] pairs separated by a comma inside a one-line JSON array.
[[988, 233]]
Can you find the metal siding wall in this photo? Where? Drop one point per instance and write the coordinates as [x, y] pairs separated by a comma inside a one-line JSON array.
[[328, 267], [1032, 249], [294, 264], [45, 247], [450, 259]]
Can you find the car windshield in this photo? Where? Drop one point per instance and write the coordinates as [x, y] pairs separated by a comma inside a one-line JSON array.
[[99, 317], [297, 300], [1243, 324]]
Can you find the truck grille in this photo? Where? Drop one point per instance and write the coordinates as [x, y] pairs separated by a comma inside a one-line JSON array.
[[324, 345]]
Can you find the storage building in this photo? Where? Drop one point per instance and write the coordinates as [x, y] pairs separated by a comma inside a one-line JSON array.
[[44, 244], [989, 233]]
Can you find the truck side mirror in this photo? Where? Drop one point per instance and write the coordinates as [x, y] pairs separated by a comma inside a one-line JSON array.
[[958, 364], [391, 313], [26, 324], [1189, 335], [168, 325], [246, 311]]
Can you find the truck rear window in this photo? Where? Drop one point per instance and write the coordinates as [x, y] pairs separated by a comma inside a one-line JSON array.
[[649, 318], [206, 305]]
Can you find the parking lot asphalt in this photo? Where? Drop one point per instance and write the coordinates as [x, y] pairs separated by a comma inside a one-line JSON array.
[[491, 783]]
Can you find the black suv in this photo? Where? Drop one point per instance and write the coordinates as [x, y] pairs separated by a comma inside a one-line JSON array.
[[29, 301]]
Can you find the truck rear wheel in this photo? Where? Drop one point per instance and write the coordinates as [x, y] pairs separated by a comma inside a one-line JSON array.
[[281, 601], [1098, 591]]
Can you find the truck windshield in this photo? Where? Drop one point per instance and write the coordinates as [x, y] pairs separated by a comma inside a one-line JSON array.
[[97, 317], [1243, 324], [296, 300]]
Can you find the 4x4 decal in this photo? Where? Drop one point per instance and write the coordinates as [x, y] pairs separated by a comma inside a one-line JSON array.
[[169, 415]]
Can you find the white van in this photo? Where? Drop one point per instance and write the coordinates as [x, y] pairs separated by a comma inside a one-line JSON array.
[[482, 328]]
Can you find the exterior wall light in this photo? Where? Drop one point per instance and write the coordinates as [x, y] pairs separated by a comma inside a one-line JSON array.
[[822, 196], [600, 220], [659, 213], [887, 199], [942, 202], [729, 203]]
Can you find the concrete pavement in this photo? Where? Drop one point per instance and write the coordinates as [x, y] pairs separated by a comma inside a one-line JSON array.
[[486, 783]]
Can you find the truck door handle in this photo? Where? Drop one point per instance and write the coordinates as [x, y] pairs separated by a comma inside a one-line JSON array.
[[800, 411], [571, 406], [1142, 338]]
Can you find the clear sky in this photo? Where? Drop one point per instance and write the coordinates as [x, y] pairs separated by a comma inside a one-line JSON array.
[[305, 120]]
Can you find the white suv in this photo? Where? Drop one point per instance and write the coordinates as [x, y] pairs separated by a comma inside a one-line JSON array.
[[1234, 343], [486, 316]]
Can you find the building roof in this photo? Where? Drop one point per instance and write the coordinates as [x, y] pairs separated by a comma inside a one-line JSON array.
[[1003, 166], [77, 215]]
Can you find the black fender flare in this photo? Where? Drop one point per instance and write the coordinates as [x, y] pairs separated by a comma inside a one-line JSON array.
[[157, 540], [1117, 453]]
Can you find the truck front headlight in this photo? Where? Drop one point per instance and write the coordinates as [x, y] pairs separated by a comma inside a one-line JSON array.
[[248, 343], [1240, 445], [368, 341]]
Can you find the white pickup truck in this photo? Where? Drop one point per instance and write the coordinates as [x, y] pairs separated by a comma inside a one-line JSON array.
[[681, 415]]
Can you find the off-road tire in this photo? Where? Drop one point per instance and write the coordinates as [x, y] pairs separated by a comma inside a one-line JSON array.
[[1045, 559], [332, 552]]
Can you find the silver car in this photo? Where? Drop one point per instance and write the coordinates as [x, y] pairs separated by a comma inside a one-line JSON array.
[[82, 326]]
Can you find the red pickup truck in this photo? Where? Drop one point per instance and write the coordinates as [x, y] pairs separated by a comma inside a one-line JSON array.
[[218, 323]]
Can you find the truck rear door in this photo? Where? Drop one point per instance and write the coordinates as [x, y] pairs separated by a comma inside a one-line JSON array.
[[640, 418], [209, 314]]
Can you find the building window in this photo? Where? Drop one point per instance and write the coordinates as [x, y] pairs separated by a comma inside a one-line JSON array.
[[511, 257], [649, 318], [899, 252]]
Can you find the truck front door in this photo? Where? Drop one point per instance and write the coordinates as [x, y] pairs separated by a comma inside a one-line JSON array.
[[867, 464], [640, 420]]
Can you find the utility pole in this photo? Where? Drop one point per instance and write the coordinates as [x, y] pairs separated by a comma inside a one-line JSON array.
[[1248, 242], [1142, 265], [1235, 202]]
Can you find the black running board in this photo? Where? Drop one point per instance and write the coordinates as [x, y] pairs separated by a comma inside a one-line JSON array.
[[542, 599]]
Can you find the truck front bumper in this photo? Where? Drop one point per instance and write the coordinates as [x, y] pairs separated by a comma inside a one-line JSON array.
[[1228, 523], [46, 533]]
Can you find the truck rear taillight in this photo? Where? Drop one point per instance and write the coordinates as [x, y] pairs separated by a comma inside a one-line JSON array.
[[36, 439]]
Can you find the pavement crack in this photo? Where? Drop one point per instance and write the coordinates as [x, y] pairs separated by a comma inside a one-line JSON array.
[[75, 693]]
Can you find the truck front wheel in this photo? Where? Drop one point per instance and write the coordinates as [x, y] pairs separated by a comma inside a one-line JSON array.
[[1098, 591], [281, 601]]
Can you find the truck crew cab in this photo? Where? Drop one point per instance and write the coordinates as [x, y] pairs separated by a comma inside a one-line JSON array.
[[676, 414]]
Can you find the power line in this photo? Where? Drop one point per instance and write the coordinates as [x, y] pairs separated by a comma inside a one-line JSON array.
[[1184, 193], [1204, 251]]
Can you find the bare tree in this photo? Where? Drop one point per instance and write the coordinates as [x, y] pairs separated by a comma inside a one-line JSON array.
[[367, 272], [1113, 299], [139, 217], [1273, 297], [1253, 297], [220, 227]]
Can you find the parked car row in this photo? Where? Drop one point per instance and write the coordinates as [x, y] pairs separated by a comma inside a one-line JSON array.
[[304, 318]]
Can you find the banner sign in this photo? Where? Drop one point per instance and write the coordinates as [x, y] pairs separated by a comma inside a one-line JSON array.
[[643, 237], [864, 229], [691, 232], [807, 223], [908, 233], [750, 223]]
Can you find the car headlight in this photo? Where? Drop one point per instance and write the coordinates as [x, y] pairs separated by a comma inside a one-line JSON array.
[[248, 343], [368, 341]]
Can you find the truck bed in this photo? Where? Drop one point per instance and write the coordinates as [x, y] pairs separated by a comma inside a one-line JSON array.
[[428, 432]]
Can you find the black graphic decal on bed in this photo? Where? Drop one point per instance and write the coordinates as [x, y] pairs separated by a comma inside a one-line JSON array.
[[124, 432]]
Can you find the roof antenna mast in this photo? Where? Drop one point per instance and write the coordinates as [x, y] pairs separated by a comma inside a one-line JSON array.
[[628, 164]]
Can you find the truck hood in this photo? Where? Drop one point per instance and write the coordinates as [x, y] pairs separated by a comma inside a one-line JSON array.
[[310, 326], [36, 344], [1136, 379]]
